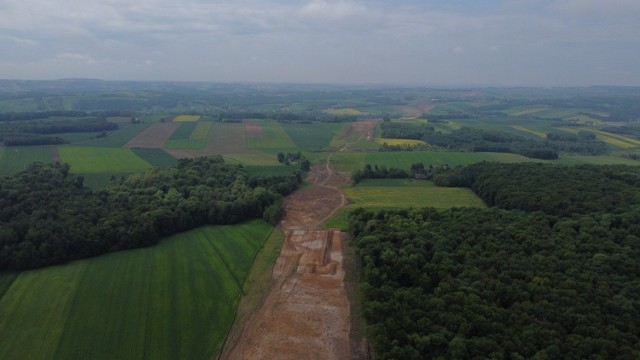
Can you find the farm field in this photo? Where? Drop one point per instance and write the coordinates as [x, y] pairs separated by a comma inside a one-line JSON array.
[[155, 157], [396, 142], [187, 118], [271, 135], [529, 130], [17, 158], [155, 135], [610, 138], [101, 160], [173, 300], [313, 137], [402, 193]]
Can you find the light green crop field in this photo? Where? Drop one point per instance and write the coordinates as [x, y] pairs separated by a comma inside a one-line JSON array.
[[101, 160], [609, 138], [315, 136], [254, 159], [201, 132], [187, 118], [403, 159], [175, 300], [273, 137], [14, 159], [529, 130], [402, 193]]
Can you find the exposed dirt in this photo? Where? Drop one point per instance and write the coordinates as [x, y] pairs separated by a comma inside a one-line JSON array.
[[55, 155], [154, 136], [306, 314], [362, 129]]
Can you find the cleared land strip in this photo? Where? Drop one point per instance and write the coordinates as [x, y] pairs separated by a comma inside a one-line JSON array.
[[306, 314]]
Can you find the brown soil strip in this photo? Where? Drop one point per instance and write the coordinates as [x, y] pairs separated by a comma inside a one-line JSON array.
[[55, 155], [155, 136], [306, 314]]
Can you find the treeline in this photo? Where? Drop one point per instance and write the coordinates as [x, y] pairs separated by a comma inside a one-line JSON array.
[[294, 158], [479, 140], [557, 277], [47, 216], [417, 170], [33, 132], [35, 115], [59, 126], [283, 116], [554, 190]]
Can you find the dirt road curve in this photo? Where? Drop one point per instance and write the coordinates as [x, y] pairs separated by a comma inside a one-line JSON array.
[[306, 314]]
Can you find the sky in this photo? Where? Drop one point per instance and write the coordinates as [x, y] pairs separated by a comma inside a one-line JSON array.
[[426, 43]]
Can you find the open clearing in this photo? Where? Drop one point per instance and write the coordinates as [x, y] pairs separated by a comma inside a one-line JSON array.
[[396, 142], [101, 160], [175, 300], [267, 134], [314, 136], [14, 159]]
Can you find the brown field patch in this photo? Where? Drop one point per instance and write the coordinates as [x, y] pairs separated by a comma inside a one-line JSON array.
[[55, 155], [253, 129], [155, 136], [306, 313]]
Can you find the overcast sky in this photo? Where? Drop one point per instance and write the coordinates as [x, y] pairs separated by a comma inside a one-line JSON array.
[[444, 42]]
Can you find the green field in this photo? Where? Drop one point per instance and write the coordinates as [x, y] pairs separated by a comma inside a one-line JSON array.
[[101, 160], [155, 157], [314, 136], [201, 132], [175, 300], [273, 137], [16, 158], [402, 193], [117, 138], [226, 138]]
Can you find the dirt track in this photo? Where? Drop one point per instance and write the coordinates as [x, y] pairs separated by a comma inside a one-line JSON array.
[[306, 314]]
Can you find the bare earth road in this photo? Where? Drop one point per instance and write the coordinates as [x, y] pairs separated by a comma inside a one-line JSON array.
[[306, 314]]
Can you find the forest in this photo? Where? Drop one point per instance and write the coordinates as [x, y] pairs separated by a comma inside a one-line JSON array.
[[48, 216], [480, 140], [550, 271]]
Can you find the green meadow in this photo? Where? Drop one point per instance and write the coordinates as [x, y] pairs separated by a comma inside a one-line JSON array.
[[101, 160], [175, 300], [17, 158]]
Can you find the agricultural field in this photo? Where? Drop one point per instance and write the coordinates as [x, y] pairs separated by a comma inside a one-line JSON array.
[[183, 137], [155, 135], [397, 142], [101, 160], [117, 138], [226, 138], [529, 130], [267, 134], [344, 111], [312, 137], [155, 157], [402, 193], [175, 300], [16, 159], [186, 118]]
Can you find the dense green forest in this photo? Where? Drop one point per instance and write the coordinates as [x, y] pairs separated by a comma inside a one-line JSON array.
[[554, 277], [47, 216]]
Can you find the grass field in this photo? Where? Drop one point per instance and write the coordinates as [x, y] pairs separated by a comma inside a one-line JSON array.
[[155, 157], [175, 300], [117, 138], [101, 160], [187, 118], [273, 137], [271, 170], [14, 159], [402, 193], [201, 132], [315, 136], [257, 159]]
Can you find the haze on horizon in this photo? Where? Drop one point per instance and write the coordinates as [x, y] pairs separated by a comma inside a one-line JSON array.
[[458, 42]]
